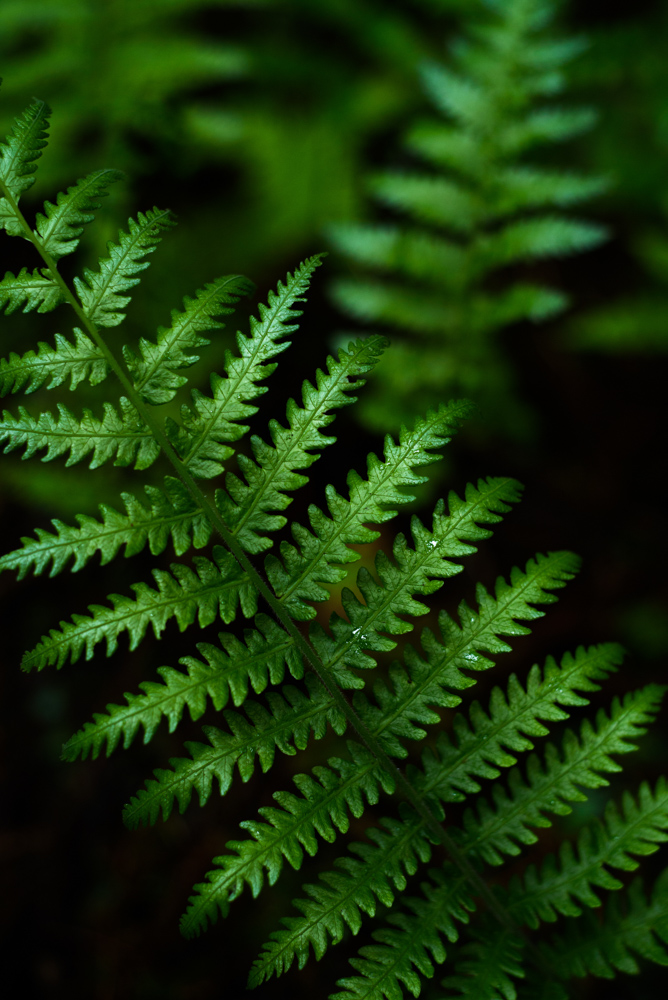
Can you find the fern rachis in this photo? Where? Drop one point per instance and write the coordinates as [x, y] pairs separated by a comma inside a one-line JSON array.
[[328, 695]]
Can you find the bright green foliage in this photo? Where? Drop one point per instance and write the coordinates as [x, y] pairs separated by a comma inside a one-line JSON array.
[[166, 513], [439, 277], [62, 223], [99, 292], [382, 734], [18, 160], [500, 829], [121, 436], [211, 591], [52, 366], [154, 373], [30, 291]]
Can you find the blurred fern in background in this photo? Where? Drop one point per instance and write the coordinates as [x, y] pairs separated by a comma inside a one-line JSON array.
[[270, 103], [452, 277]]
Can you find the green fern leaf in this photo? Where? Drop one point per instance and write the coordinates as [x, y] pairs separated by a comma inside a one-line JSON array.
[[167, 513], [478, 220], [324, 910], [214, 590], [338, 900], [62, 224], [216, 894], [270, 650], [37, 291], [481, 745], [220, 674], [291, 718], [424, 693], [322, 552], [212, 422], [50, 367], [18, 161], [122, 436], [541, 236], [548, 125], [323, 806], [100, 292], [435, 200], [247, 507], [412, 251], [551, 785], [154, 373], [533, 187], [473, 209], [555, 889], [430, 680], [411, 942], [418, 570]]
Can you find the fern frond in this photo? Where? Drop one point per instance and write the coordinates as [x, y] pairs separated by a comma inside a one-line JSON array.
[[248, 507], [214, 589], [430, 681], [552, 784], [323, 806], [417, 570], [435, 200], [154, 373], [338, 900], [486, 211], [50, 367], [62, 224], [631, 925], [216, 894], [121, 436], [394, 713], [323, 912], [413, 941], [221, 674], [322, 552], [268, 650], [166, 513], [641, 826], [212, 422], [101, 291], [481, 743], [27, 291], [410, 251], [18, 160], [472, 209], [287, 724]]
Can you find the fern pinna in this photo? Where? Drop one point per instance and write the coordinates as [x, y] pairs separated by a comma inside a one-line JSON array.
[[309, 680], [451, 275]]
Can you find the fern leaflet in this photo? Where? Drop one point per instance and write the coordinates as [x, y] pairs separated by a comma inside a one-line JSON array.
[[63, 223], [100, 292]]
